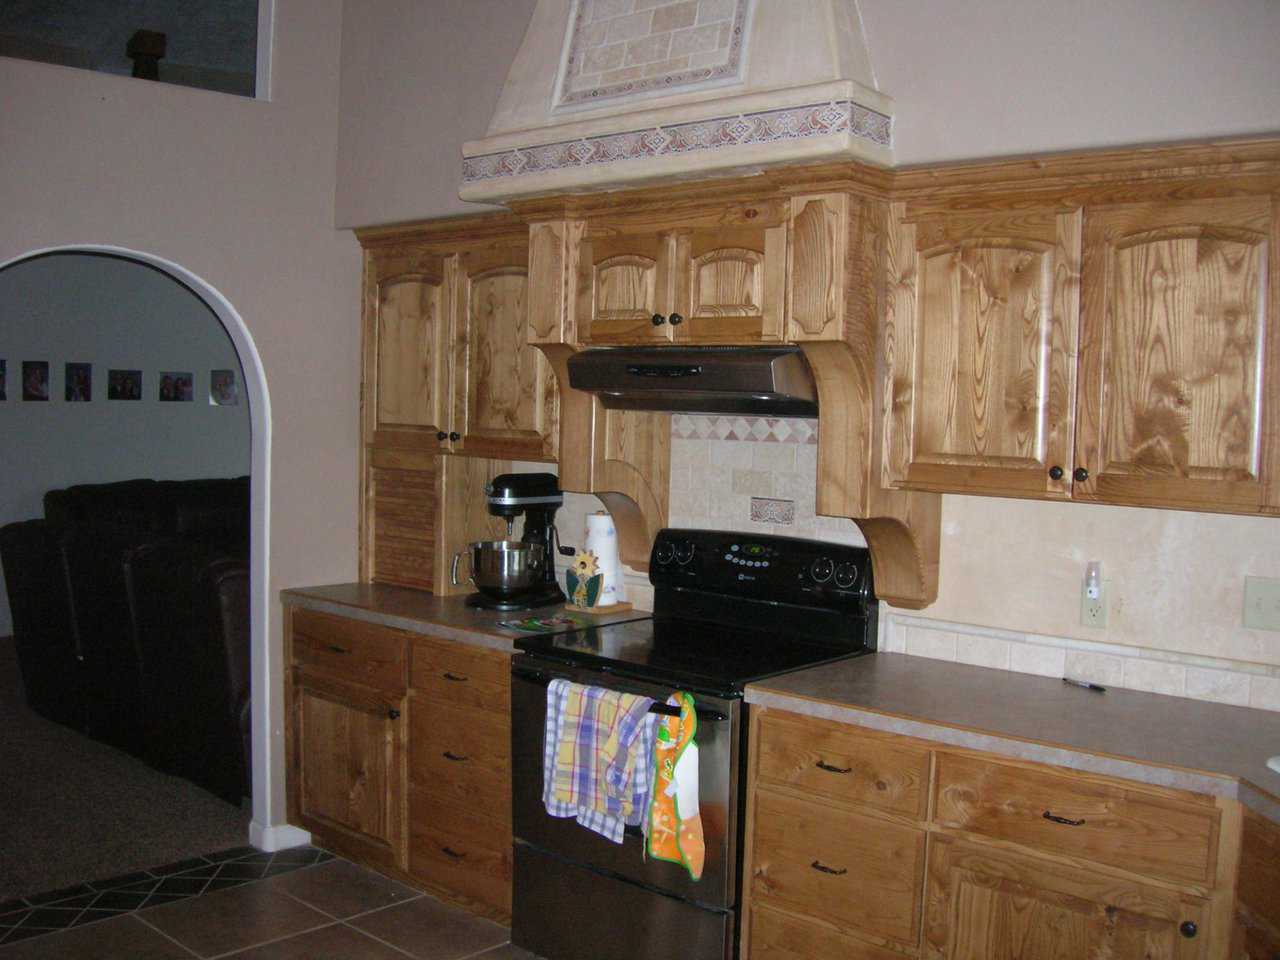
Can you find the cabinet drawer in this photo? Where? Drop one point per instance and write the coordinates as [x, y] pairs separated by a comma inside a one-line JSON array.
[[776, 936], [452, 672], [1108, 823], [349, 650], [850, 870], [461, 756], [844, 763], [466, 854]]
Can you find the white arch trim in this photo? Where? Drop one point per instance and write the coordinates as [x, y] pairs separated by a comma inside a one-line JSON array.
[[267, 749]]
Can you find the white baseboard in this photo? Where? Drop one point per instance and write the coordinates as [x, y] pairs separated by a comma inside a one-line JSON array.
[[281, 837]]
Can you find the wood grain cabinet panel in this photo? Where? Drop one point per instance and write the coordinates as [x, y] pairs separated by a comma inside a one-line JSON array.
[[623, 283], [1178, 380], [350, 651], [1258, 891], [844, 868], [781, 936], [346, 767], [410, 330], [983, 367], [989, 905], [1092, 820], [465, 853], [454, 673], [833, 760], [505, 397], [731, 283]]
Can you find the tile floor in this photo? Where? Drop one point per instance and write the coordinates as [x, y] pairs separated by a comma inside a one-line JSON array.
[[301, 905]]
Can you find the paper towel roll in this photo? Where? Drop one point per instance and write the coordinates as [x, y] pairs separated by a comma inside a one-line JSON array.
[[602, 540]]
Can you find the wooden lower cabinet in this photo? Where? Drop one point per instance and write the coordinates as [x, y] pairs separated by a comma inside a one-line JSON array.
[[411, 777], [985, 904], [347, 768], [997, 859]]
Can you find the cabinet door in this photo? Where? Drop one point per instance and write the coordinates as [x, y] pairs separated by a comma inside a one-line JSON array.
[[623, 284], [984, 904], [981, 354], [1177, 398], [407, 336], [505, 395], [347, 767], [731, 279]]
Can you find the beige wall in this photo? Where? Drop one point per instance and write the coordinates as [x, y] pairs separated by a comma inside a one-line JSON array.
[[417, 80], [239, 192]]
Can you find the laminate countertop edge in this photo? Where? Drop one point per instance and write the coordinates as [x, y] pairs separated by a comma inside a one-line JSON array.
[[990, 739]]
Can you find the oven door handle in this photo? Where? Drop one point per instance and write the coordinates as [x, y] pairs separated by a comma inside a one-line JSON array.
[[666, 710]]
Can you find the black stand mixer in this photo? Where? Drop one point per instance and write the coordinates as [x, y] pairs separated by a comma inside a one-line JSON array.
[[536, 497]]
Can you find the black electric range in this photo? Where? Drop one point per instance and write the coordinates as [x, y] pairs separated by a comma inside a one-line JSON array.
[[729, 608]]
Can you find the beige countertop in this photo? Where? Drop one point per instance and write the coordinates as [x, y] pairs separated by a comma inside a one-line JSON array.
[[420, 612], [1170, 741]]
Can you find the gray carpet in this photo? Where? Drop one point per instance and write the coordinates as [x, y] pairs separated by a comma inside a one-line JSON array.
[[73, 809]]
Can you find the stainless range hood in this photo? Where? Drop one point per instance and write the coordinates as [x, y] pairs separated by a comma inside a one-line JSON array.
[[762, 381]]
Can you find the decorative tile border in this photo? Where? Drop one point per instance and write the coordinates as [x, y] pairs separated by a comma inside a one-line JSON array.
[[685, 426], [837, 117], [1112, 665], [767, 510], [579, 42], [39, 914]]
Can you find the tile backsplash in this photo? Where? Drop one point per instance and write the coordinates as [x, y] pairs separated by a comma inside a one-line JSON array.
[[758, 475]]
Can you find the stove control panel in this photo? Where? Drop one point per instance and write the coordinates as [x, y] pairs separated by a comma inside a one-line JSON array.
[[780, 569]]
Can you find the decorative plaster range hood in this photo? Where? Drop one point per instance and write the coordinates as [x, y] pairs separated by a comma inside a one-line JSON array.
[[611, 93]]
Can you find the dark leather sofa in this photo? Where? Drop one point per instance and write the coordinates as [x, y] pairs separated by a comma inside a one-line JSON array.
[[131, 620]]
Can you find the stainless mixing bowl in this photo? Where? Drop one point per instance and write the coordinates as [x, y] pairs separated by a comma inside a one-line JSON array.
[[502, 569]]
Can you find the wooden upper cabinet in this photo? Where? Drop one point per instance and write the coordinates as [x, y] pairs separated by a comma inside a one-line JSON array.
[[717, 277], [1179, 384], [505, 396], [623, 284], [730, 284], [409, 328], [981, 334]]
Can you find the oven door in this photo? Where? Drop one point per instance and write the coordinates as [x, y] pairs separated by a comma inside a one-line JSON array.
[[718, 740]]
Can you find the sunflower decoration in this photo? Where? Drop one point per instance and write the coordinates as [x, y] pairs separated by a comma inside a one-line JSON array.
[[583, 580]]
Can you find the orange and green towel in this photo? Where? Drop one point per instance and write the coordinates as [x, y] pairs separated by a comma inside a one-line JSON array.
[[674, 826]]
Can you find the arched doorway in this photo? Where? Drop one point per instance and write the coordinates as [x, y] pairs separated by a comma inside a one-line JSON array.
[[263, 832]]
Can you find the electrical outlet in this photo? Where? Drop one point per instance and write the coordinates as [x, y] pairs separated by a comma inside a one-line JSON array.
[[1262, 603], [1093, 609]]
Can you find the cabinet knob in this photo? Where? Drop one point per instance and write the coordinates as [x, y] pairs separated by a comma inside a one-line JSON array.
[[659, 319], [393, 714], [1188, 929], [455, 436], [442, 436], [1080, 475], [1055, 472], [676, 319]]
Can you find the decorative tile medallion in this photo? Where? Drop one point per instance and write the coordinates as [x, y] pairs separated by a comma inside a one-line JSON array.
[[837, 117], [768, 510], [618, 48], [686, 426]]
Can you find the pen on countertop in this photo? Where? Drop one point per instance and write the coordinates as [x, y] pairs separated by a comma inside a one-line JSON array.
[[1085, 684]]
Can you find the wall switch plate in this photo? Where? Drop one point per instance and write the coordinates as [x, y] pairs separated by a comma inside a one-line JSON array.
[[1262, 603], [1093, 611]]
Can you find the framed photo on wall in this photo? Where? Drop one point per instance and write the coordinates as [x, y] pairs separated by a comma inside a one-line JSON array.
[[35, 379], [78, 385], [176, 385], [222, 388], [124, 384]]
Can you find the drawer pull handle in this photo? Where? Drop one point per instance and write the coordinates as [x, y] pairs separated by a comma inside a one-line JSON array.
[[830, 769], [817, 865], [1063, 820], [334, 648], [449, 851], [454, 677], [448, 755], [393, 714]]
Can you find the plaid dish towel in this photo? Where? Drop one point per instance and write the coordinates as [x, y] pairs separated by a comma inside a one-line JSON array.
[[597, 757]]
